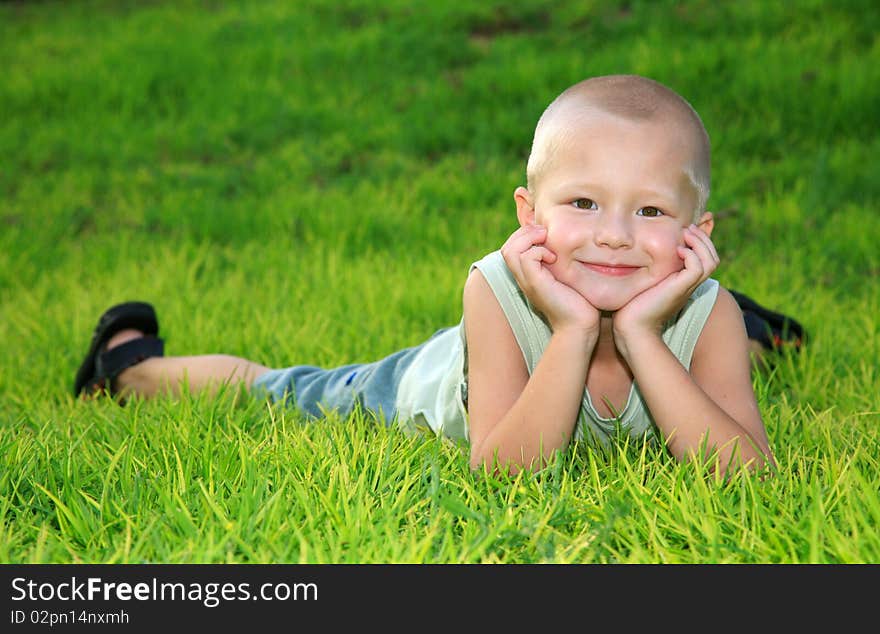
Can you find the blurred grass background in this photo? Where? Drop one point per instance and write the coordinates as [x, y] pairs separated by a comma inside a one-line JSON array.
[[307, 182]]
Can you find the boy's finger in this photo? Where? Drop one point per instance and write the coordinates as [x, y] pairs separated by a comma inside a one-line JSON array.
[[693, 265], [703, 238], [709, 257], [538, 253], [535, 234], [513, 264], [524, 237], [705, 251]]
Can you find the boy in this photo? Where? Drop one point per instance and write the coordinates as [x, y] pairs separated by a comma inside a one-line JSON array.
[[597, 313]]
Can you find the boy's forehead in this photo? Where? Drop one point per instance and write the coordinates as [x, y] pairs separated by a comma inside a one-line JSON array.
[[650, 142], [596, 130], [591, 121]]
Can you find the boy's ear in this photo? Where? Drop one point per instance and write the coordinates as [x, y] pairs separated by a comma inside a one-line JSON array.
[[525, 206], [706, 222]]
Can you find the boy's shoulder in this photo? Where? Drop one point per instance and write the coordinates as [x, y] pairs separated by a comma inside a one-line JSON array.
[[490, 275], [683, 330], [723, 325], [707, 291], [492, 259]]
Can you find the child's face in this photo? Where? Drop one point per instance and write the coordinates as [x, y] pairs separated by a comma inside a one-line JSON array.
[[615, 201]]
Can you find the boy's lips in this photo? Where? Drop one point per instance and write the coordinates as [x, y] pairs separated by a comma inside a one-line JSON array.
[[611, 269]]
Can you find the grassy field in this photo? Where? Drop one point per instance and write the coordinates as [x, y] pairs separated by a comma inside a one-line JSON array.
[[308, 182]]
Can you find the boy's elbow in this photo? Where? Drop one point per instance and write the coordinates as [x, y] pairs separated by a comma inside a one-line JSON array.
[[762, 461], [762, 466], [489, 461], [753, 455], [486, 460], [752, 458], [478, 461]]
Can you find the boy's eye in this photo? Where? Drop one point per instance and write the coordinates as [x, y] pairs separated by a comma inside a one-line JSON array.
[[585, 203], [650, 212]]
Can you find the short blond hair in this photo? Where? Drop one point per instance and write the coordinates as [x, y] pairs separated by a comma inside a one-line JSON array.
[[631, 97]]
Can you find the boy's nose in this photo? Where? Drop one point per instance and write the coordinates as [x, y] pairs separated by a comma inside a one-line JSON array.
[[613, 232]]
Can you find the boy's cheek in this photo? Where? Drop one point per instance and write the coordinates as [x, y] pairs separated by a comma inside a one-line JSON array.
[[670, 260], [561, 238]]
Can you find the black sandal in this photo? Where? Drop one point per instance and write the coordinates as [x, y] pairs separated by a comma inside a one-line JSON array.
[[774, 331], [100, 367]]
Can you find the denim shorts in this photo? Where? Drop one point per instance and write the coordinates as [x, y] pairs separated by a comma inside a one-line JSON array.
[[314, 390]]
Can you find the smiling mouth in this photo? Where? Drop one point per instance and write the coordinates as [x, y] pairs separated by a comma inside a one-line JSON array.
[[616, 270]]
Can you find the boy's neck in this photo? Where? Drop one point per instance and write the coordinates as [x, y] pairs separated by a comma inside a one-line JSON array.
[[606, 331], [605, 354]]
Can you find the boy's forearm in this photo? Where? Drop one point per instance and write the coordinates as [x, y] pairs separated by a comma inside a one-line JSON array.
[[683, 412], [542, 419]]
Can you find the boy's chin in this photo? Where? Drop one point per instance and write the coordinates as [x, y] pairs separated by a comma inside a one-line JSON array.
[[608, 303]]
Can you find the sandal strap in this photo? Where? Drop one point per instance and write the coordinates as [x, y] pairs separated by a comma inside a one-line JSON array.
[[137, 315], [109, 364]]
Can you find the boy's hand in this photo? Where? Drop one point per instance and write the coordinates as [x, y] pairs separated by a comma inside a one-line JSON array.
[[527, 259], [648, 311]]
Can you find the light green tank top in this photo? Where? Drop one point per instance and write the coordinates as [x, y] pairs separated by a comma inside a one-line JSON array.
[[433, 390]]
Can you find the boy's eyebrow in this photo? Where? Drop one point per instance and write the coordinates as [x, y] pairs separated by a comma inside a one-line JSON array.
[[578, 185]]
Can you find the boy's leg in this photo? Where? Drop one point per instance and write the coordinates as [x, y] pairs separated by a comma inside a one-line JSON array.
[[167, 375]]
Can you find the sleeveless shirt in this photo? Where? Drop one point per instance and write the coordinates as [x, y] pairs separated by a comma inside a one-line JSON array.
[[433, 390]]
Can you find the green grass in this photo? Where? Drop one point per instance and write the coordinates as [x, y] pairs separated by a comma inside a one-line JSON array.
[[308, 182]]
